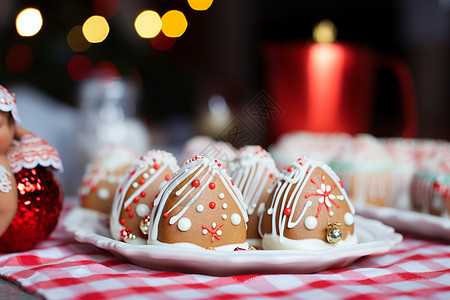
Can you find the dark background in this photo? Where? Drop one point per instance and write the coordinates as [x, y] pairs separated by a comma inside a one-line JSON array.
[[221, 52]]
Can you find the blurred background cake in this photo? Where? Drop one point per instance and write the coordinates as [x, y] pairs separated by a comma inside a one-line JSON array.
[[102, 176]]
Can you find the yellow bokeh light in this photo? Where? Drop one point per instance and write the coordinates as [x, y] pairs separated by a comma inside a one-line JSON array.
[[95, 29], [148, 24], [29, 22], [200, 4], [174, 23], [325, 32], [76, 40]]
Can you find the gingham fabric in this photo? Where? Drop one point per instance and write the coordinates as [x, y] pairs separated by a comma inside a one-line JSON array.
[[61, 268]]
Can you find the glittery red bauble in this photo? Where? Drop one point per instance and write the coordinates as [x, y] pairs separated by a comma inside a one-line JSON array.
[[40, 200]]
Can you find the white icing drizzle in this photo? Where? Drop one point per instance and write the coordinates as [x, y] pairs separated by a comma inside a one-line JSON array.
[[192, 169], [251, 174], [163, 159], [298, 174]]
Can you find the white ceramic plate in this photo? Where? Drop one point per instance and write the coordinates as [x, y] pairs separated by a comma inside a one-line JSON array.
[[408, 221], [374, 237]]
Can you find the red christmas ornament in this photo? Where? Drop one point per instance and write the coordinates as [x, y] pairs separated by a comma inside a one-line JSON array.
[[40, 201]]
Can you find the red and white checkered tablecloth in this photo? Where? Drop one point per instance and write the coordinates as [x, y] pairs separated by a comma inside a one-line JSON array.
[[61, 268]]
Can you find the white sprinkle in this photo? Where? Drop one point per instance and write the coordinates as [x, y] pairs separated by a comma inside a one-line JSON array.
[[205, 231], [200, 208], [146, 176], [135, 184], [269, 211], [214, 225], [224, 206], [184, 224], [142, 166], [103, 194], [151, 171], [235, 219], [349, 219], [142, 210], [219, 232], [310, 222], [224, 216], [221, 195], [331, 213]]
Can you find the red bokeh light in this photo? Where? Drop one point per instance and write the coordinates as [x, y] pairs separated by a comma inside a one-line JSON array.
[[19, 58], [161, 42], [106, 8], [79, 67]]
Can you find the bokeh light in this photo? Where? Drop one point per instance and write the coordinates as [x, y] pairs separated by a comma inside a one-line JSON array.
[[174, 23], [325, 32], [106, 70], [95, 29], [106, 8], [200, 4], [148, 24], [79, 67], [19, 58], [29, 22], [76, 40], [161, 42]]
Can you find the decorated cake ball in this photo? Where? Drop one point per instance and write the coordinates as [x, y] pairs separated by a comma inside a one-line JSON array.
[[430, 186], [308, 209], [254, 173], [368, 172], [200, 207], [134, 197], [206, 146], [99, 183]]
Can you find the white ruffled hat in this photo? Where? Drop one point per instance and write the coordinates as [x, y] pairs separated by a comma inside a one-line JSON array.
[[8, 103]]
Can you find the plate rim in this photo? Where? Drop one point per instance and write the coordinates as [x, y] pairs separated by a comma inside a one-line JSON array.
[[244, 261]]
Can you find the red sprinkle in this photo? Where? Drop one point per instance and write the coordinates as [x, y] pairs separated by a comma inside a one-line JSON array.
[[270, 175], [212, 205], [120, 190], [143, 194], [219, 164], [136, 199], [128, 208], [131, 214], [195, 183], [341, 184], [156, 166], [289, 169], [132, 172], [153, 203], [212, 185], [167, 177], [166, 214], [287, 211], [156, 196], [142, 181], [122, 221]]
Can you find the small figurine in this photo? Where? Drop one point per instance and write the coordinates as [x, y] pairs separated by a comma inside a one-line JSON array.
[[30, 195]]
